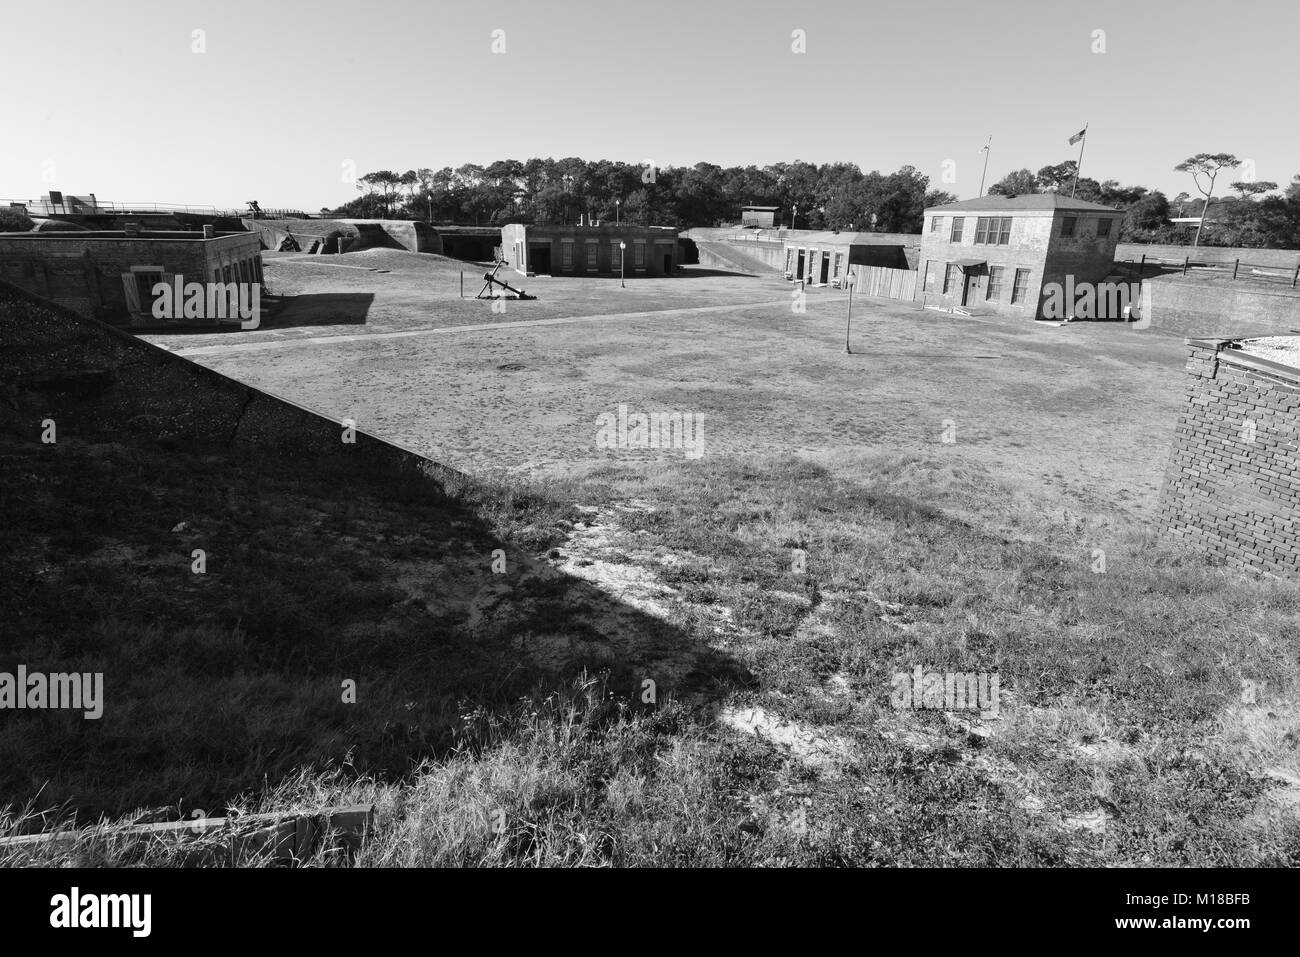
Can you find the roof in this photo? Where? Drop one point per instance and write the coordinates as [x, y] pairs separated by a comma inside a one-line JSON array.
[[845, 238], [1281, 349], [970, 262], [1028, 201], [766, 209]]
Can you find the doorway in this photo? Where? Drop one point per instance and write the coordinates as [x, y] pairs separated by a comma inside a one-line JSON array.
[[798, 272], [539, 259], [826, 269], [970, 287]]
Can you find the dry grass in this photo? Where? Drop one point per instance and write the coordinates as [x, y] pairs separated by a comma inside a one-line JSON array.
[[1119, 742], [507, 719]]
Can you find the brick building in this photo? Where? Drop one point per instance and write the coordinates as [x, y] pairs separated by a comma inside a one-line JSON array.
[[1000, 253], [1232, 486], [764, 217], [590, 250], [110, 275], [823, 258]]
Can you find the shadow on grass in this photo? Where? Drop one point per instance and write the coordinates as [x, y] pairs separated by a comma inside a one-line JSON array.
[[283, 312], [320, 309], [254, 615], [706, 272]]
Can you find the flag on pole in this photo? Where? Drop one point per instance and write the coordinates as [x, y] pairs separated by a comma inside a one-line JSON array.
[[1078, 136]]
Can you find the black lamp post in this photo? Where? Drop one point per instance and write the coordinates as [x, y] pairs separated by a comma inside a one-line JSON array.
[[621, 246], [848, 350]]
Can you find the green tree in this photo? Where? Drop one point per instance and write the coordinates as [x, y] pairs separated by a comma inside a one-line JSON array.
[[15, 221], [1207, 165], [1253, 188], [1017, 183], [1054, 178], [1293, 190]]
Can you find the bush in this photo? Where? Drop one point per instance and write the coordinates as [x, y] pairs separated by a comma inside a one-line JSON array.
[[13, 221]]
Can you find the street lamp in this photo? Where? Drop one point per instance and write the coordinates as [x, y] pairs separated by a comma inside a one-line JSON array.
[[618, 208], [848, 350], [621, 246]]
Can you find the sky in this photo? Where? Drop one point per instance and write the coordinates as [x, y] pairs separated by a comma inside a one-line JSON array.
[[286, 101]]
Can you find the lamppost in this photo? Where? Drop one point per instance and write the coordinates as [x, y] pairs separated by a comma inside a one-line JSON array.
[[618, 209], [848, 350], [621, 246]]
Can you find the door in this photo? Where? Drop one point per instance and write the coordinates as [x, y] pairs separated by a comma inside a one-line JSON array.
[[539, 259], [826, 269], [969, 287], [798, 273]]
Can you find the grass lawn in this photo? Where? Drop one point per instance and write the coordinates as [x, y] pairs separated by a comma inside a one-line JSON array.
[[682, 661]]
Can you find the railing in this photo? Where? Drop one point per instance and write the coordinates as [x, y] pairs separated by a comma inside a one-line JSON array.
[[764, 235], [1236, 270], [110, 208]]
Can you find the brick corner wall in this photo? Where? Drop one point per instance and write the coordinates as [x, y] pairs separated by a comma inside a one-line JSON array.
[[1232, 485]]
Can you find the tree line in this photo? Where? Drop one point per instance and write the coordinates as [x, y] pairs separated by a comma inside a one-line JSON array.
[[826, 196], [1249, 218], [808, 196]]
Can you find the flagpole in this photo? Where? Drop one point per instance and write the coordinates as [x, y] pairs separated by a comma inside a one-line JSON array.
[[986, 164], [1083, 141]]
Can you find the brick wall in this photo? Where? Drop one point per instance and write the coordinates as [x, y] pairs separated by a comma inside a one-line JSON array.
[[84, 273], [593, 250], [1232, 486], [1221, 307], [1084, 257]]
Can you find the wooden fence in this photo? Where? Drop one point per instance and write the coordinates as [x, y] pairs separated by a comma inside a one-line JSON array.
[[885, 283], [1236, 269]]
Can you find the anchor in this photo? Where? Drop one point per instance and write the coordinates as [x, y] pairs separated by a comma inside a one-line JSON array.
[[491, 280]]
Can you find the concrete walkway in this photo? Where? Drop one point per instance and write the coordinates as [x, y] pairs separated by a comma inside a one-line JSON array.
[[261, 346]]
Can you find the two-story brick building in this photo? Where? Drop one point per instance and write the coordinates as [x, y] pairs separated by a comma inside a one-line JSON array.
[[1002, 254]]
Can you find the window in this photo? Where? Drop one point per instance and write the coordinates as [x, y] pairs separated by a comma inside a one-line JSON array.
[[994, 293], [958, 222], [951, 279], [1103, 228], [591, 256], [1067, 226], [992, 230], [929, 275], [145, 281], [835, 267], [640, 254], [566, 255], [615, 256], [1021, 287], [934, 223]]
